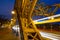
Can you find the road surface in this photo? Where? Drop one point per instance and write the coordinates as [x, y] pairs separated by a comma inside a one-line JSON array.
[[51, 36]]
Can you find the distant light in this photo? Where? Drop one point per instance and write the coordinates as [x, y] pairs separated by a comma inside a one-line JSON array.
[[12, 19], [16, 27], [13, 12]]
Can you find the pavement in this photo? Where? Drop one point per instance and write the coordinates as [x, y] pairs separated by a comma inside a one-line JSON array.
[[6, 34]]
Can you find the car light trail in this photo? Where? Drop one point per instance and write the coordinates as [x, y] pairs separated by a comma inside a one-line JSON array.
[[47, 18], [50, 35]]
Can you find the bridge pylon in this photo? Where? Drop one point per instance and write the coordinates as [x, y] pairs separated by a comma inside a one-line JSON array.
[[24, 10]]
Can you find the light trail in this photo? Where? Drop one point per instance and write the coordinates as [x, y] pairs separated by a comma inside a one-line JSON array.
[[47, 21], [50, 35], [47, 18]]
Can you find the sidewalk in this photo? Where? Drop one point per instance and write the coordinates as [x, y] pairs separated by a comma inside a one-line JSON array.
[[6, 34]]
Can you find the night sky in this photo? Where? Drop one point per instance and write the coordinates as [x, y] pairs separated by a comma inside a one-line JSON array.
[[6, 6]]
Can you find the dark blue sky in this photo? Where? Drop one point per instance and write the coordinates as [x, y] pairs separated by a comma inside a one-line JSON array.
[[50, 2], [6, 6]]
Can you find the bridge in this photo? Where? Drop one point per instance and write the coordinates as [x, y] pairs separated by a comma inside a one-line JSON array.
[[24, 10]]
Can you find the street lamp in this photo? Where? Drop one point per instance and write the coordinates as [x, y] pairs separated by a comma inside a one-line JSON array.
[[13, 12], [12, 19]]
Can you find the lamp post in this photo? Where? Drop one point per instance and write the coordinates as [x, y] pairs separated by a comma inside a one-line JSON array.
[[13, 19]]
